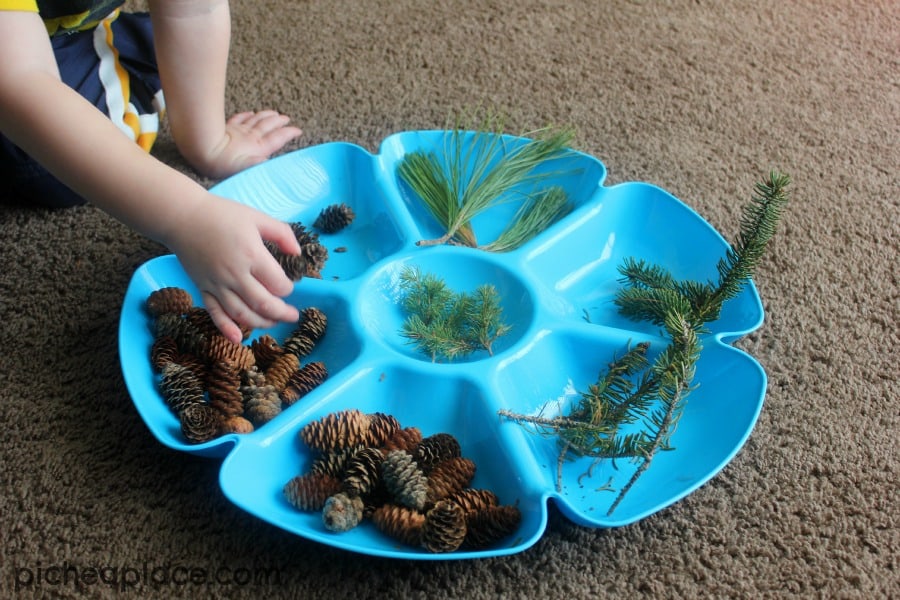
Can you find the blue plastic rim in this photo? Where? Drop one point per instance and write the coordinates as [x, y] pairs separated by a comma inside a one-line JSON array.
[[557, 293]]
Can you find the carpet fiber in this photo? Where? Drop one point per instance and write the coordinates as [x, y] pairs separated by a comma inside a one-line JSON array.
[[701, 98]]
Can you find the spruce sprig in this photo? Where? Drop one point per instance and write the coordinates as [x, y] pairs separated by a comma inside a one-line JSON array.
[[446, 324], [631, 391], [649, 291], [476, 170]]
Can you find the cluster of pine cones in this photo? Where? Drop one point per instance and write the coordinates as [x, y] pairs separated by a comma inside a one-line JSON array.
[[416, 490], [216, 386]]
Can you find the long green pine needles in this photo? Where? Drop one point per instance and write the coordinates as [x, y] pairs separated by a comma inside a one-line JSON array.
[[476, 170]]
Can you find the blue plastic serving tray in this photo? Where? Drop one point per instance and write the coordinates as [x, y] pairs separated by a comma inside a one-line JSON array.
[[557, 293]]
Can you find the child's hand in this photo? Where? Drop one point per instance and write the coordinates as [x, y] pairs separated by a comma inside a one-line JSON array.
[[250, 138], [221, 247]]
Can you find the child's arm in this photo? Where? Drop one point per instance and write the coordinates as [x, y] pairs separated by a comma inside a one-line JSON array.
[[218, 241], [192, 39]]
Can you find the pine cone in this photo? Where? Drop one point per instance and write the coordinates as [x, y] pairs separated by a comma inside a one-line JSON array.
[[304, 236], [472, 500], [308, 332], [281, 370], [263, 405], [333, 218], [316, 255], [343, 429], [169, 300], [435, 449], [236, 424], [199, 423], [200, 318], [190, 340], [303, 381], [363, 472], [403, 479], [444, 528], [163, 351], [334, 462], [342, 512], [180, 387], [252, 377], [449, 477], [491, 524], [404, 439], [399, 522], [310, 491], [221, 349], [293, 265], [266, 349], [382, 428], [223, 386]]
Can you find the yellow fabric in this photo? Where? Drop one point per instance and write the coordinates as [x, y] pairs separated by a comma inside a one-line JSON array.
[[82, 21], [28, 5]]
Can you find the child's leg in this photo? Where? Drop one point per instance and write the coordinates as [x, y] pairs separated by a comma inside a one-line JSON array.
[[114, 68]]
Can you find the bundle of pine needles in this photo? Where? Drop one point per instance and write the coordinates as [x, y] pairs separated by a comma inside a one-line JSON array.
[[477, 169]]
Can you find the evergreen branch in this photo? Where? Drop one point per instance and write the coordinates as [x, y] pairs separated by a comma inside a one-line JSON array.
[[630, 391], [639, 274], [758, 224], [445, 324]]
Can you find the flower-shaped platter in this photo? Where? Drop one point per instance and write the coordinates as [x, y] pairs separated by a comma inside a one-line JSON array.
[[557, 294]]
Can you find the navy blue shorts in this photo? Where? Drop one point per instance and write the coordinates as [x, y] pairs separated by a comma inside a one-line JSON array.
[[114, 68]]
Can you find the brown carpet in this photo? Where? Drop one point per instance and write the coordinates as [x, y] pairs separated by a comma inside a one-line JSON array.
[[701, 98]]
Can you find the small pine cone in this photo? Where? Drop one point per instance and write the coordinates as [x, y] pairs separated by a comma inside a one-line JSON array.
[[303, 381], [435, 449], [293, 265], [263, 405], [471, 499], [444, 529], [316, 256], [382, 428], [190, 340], [308, 332], [342, 429], [304, 236], [169, 300], [252, 377], [342, 512], [403, 479], [180, 387], [200, 318], [163, 351], [200, 423], [281, 370], [333, 218], [266, 349], [333, 462], [399, 522], [220, 348], [196, 364], [449, 477], [223, 386], [236, 425], [363, 472], [491, 524], [311, 490], [407, 439]]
